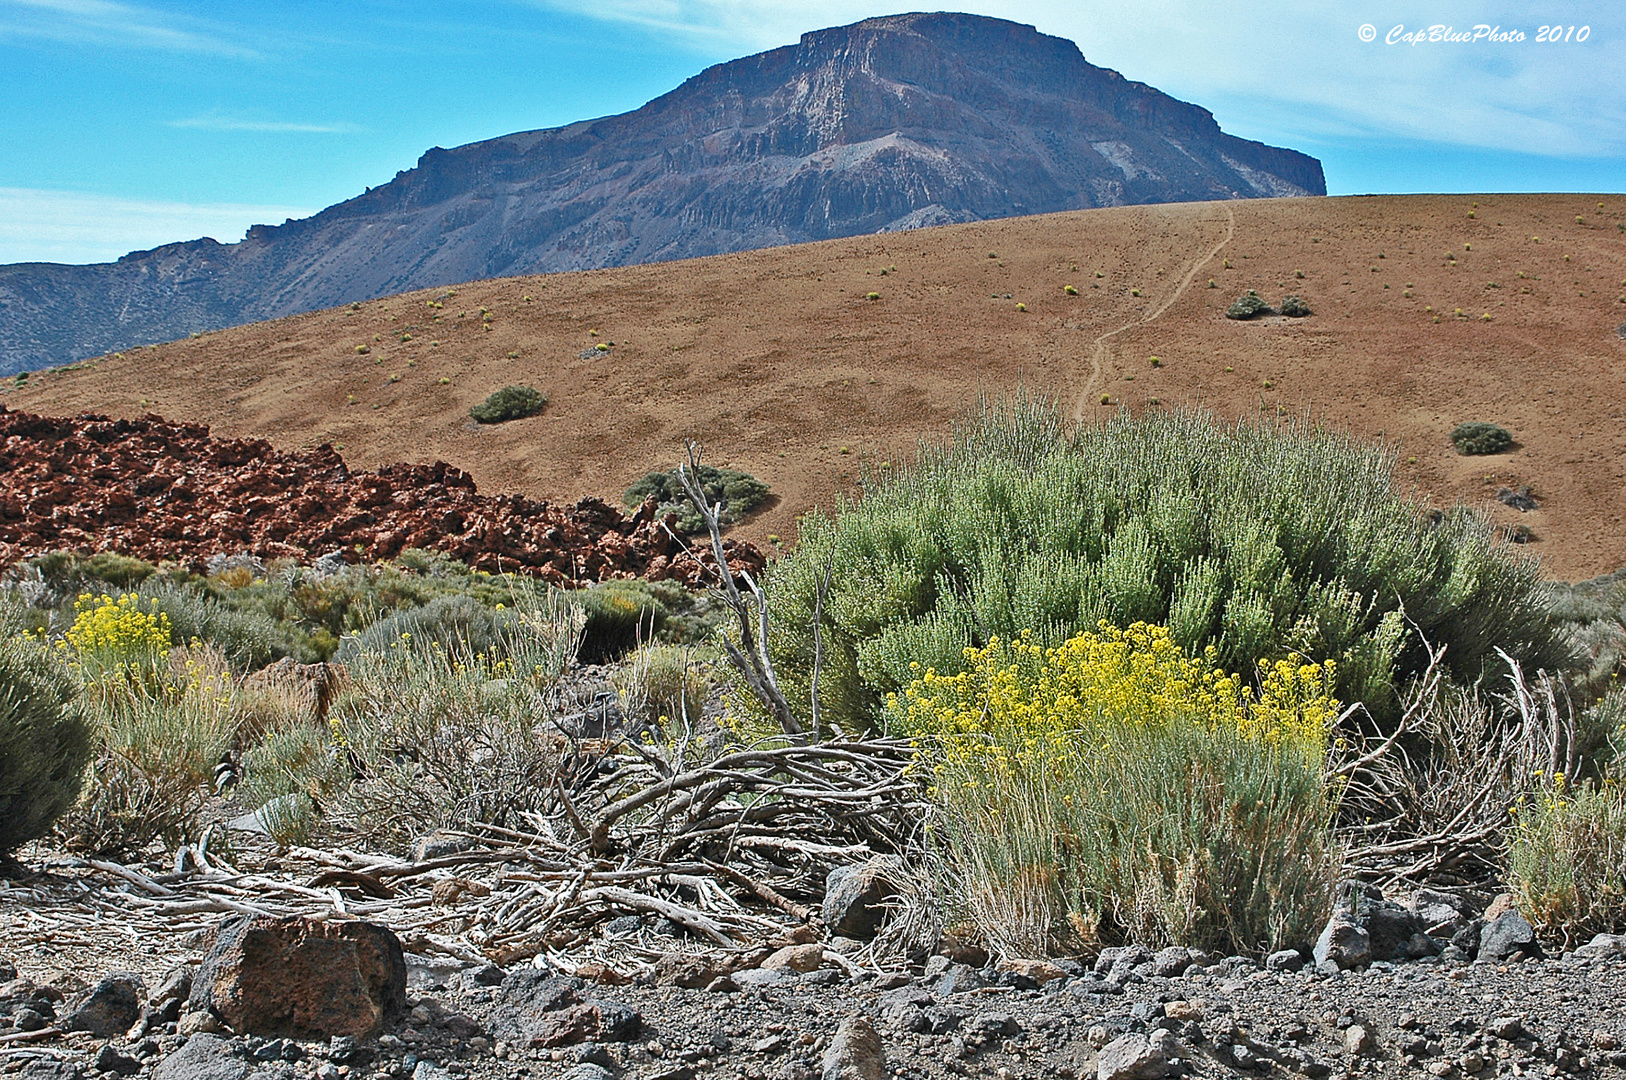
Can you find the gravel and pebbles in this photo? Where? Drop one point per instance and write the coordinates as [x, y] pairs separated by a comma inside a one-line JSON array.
[[1440, 1017]]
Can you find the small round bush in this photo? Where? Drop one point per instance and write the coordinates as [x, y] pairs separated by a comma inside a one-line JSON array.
[[1479, 437], [509, 403], [459, 624], [738, 492], [1247, 306], [1294, 307], [619, 614], [45, 743]]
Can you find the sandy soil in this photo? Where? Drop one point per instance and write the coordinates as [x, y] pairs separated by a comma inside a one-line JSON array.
[[779, 363]]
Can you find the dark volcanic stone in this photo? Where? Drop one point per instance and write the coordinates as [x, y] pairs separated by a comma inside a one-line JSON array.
[[854, 899], [1507, 934], [111, 1007]]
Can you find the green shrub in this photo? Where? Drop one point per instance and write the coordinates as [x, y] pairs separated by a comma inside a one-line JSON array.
[[509, 403], [457, 623], [739, 492], [45, 742], [249, 639], [1247, 306], [619, 615], [112, 568], [287, 776], [1294, 307], [1114, 790], [664, 684], [1258, 539], [1479, 437], [443, 739], [159, 734], [1565, 856]]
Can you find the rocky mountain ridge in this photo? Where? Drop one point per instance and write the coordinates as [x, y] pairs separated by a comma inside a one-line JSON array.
[[891, 123]]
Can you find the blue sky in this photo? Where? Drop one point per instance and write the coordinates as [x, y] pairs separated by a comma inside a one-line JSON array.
[[131, 124]]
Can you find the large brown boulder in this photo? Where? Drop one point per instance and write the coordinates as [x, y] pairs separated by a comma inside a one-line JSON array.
[[298, 978]]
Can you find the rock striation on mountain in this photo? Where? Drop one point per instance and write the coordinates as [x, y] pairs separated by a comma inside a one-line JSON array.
[[891, 123]]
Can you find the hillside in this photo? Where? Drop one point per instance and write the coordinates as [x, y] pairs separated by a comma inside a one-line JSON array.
[[777, 360], [888, 124]]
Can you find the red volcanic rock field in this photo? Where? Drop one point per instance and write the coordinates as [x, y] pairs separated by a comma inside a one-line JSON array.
[[167, 491], [1429, 310]]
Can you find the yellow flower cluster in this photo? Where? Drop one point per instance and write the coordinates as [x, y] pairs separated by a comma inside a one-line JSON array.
[[118, 629], [1045, 705]]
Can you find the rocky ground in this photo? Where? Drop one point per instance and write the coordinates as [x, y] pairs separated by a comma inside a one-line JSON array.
[[163, 491], [804, 1010]]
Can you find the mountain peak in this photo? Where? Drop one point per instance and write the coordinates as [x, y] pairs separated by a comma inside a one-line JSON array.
[[890, 123]]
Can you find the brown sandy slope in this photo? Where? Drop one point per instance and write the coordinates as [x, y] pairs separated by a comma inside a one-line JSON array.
[[777, 361]]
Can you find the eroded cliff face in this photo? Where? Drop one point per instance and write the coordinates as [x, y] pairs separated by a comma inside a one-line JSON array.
[[891, 123]]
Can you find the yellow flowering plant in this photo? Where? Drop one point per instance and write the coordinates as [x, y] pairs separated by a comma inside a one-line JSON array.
[[1114, 787], [124, 633]]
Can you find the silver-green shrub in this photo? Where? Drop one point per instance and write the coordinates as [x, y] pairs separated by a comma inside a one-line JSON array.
[[45, 742], [1259, 539]]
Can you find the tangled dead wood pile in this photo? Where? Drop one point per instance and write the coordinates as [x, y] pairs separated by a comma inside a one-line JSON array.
[[734, 851]]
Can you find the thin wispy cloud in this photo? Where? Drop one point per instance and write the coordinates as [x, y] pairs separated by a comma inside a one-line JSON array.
[[222, 123], [116, 25], [38, 225]]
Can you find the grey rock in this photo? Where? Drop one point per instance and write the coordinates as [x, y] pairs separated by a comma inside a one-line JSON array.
[[49, 1069], [209, 1057], [854, 898], [587, 1070], [1509, 1028], [1171, 962], [1285, 960], [943, 1019], [1603, 947], [110, 1008], [341, 1049], [757, 978], [854, 1052], [109, 1060], [1343, 944], [438, 845], [1134, 1057], [28, 1018], [1128, 955], [1507, 934]]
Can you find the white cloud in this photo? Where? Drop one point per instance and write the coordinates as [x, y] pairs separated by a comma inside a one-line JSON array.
[[61, 226], [107, 23], [1284, 67], [222, 123]]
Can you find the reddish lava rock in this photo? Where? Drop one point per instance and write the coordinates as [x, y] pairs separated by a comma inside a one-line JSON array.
[[301, 978], [164, 491]]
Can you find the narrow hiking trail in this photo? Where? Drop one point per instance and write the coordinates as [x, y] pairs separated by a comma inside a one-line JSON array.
[[1101, 345]]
